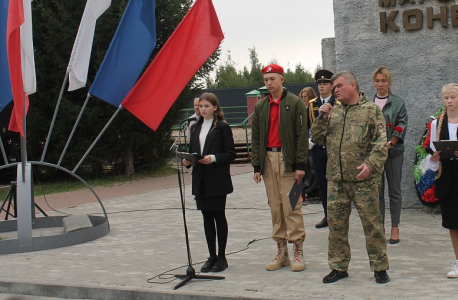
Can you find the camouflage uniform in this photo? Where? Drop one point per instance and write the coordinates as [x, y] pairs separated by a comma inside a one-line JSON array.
[[354, 135]]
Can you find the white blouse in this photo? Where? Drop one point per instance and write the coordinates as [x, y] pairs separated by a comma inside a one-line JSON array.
[[205, 129], [434, 166]]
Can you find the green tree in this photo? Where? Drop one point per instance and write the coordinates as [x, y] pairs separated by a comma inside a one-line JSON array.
[[256, 67], [298, 76], [127, 142], [227, 75]]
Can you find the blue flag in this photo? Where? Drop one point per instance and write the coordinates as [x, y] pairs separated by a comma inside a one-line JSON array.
[[128, 53], [6, 95]]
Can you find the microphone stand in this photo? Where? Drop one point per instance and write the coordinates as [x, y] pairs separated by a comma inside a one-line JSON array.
[[190, 272]]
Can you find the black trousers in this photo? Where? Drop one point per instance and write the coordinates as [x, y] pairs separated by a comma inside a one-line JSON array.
[[320, 159]]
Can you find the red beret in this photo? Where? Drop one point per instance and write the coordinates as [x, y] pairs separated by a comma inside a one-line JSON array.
[[273, 68]]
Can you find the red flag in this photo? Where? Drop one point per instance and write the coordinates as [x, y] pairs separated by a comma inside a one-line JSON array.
[[191, 44], [13, 43]]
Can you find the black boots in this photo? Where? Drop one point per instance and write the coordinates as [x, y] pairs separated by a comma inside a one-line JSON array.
[[334, 276], [322, 224], [381, 277]]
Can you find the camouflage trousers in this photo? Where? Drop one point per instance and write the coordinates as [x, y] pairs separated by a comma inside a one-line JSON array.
[[364, 195]]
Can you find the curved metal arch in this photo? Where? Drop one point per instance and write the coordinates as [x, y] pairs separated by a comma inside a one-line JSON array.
[[8, 166], [66, 171]]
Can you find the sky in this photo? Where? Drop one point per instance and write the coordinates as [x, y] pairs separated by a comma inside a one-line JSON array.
[[289, 31]]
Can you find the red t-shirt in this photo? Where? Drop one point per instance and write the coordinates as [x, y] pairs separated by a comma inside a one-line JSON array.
[[273, 140]]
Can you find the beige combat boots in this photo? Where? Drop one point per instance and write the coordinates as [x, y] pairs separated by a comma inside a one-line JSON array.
[[281, 259], [299, 263]]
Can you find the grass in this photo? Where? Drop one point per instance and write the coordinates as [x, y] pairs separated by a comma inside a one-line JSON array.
[[69, 185]]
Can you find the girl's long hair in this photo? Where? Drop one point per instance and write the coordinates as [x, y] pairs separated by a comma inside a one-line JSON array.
[[218, 115]]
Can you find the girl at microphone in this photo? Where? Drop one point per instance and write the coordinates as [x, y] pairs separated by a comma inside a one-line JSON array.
[[211, 138]]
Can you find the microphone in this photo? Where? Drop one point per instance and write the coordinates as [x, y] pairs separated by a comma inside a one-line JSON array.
[[190, 119], [331, 101]]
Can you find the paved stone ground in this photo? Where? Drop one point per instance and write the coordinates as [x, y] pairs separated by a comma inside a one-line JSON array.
[[27, 297], [146, 245]]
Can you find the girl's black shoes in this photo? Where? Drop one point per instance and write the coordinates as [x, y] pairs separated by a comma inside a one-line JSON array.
[[220, 264], [214, 264], [207, 267]]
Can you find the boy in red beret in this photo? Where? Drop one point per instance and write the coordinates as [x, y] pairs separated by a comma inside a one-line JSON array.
[[279, 155]]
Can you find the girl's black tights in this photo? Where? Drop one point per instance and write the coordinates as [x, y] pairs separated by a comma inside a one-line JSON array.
[[215, 223]]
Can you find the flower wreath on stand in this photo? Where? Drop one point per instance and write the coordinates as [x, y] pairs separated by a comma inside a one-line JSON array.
[[424, 177]]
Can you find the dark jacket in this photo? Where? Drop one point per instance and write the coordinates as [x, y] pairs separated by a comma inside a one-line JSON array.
[[395, 113], [293, 132], [215, 177]]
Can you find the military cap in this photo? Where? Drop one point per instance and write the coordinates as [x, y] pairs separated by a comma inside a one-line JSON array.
[[273, 68], [323, 76]]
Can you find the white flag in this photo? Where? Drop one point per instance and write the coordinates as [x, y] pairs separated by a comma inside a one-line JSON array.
[[81, 53], [27, 56]]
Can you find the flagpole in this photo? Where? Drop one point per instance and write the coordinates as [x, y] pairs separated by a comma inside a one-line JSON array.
[[23, 139], [3, 151], [97, 139], [74, 129], [56, 110]]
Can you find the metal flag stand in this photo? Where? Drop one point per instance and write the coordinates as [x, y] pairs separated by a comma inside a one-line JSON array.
[[25, 205]]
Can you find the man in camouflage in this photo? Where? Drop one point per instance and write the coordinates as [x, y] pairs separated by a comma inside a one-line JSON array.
[[355, 138]]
